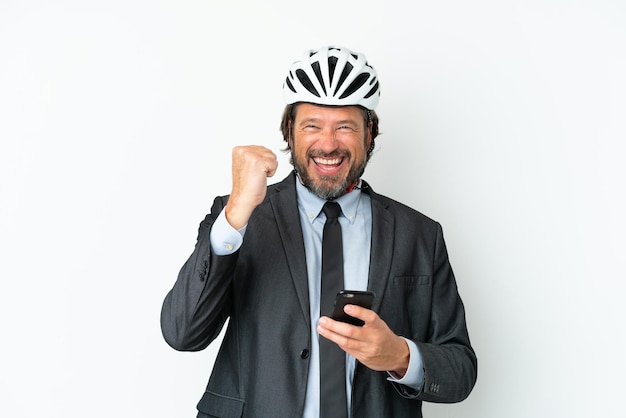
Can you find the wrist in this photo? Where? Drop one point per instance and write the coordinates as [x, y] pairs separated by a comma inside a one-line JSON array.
[[236, 215], [403, 359]]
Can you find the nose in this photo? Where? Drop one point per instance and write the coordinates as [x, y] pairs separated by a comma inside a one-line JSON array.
[[328, 140]]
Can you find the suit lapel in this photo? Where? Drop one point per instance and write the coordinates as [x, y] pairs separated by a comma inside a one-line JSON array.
[[284, 204], [381, 253], [285, 207], [383, 223]]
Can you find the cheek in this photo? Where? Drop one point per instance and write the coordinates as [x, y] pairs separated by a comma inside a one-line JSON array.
[[360, 146], [301, 144]]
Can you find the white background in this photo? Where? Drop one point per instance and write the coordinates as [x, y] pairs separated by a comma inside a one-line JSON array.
[[503, 120]]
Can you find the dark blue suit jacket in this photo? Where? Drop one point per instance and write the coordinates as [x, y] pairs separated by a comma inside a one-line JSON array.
[[261, 369]]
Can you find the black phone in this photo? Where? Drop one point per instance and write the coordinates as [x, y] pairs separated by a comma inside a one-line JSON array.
[[351, 297]]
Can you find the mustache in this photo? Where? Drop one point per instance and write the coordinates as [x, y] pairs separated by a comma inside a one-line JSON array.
[[329, 155]]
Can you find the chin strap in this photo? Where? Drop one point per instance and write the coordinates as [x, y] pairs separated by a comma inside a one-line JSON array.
[[357, 185], [352, 187]]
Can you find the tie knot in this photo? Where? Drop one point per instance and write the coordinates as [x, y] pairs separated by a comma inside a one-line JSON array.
[[332, 210]]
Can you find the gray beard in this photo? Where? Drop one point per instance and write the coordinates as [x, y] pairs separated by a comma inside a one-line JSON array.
[[329, 187]]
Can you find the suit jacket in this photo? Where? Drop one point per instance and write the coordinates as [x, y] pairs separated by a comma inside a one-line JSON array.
[[261, 369]]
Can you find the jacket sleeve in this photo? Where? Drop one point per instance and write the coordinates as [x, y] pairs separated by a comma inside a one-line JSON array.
[[196, 308], [450, 364]]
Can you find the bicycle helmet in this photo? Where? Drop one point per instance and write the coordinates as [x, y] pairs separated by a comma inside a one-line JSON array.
[[332, 76]]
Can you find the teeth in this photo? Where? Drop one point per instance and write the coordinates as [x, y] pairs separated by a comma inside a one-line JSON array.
[[326, 161]]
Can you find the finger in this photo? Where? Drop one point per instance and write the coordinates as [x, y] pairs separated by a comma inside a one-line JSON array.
[[366, 315], [337, 331], [345, 343], [265, 158], [272, 165], [348, 337]]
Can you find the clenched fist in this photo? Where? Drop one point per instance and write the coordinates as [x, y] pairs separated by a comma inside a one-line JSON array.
[[252, 165]]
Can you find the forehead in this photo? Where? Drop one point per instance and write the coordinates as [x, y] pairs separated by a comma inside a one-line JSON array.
[[305, 111]]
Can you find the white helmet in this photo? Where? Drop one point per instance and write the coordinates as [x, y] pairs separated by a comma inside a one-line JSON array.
[[332, 76]]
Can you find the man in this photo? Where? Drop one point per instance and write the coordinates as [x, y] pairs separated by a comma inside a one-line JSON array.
[[258, 262]]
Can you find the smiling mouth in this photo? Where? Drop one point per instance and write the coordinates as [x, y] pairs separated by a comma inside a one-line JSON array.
[[328, 162]]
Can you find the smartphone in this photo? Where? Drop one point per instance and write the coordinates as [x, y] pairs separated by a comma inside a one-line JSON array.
[[351, 297]]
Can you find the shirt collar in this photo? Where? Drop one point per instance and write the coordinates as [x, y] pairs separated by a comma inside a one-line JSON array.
[[312, 205]]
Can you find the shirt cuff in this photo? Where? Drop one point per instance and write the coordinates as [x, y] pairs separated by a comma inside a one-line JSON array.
[[225, 239], [414, 376]]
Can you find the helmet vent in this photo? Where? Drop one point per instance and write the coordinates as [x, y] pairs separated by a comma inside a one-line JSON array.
[[318, 74], [332, 64], [306, 82], [356, 84], [372, 91], [290, 85], [344, 74]]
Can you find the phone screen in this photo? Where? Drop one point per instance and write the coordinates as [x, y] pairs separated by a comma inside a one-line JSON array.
[[351, 297]]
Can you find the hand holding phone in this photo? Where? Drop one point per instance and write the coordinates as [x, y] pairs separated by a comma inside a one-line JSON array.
[[351, 297]]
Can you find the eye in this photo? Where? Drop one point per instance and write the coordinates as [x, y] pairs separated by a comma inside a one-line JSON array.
[[345, 128]]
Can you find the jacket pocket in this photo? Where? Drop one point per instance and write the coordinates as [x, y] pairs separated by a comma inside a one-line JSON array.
[[411, 281], [221, 406], [407, 306]]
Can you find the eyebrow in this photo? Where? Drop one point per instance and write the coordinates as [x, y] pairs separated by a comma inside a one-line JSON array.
[[309, 120], [339, 122]]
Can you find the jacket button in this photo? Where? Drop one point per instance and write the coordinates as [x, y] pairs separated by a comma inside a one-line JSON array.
[[304, 354]]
